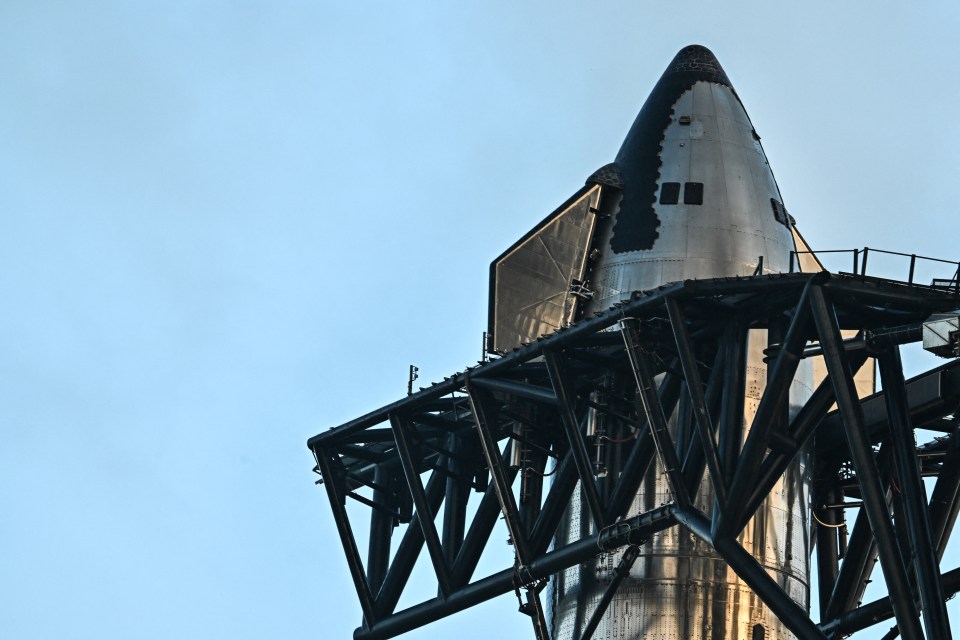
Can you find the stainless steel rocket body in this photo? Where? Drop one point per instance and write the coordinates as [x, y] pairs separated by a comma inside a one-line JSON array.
[[697, 200]]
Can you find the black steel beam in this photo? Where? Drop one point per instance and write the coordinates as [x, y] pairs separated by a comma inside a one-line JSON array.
[[480, 400], [913, 299], [578, 447], [630, 531], [347, 539], [532, 475], [868, 476], [684, 426], [775, 397], [932, 394], [792, 615], [694, 464], [803, 427], [827, 526], [556, 502], [647, 391], [381, 530], [638, 460], [879, 610], [425, 514], [455, 500], [861, 552], [762, 297], [701, 415], [622, 571], [518, 389], [945, 499], [534, 608], [521, 356], [407, 551], [936, 621], [474, 542], [734, 346], [867, 291]]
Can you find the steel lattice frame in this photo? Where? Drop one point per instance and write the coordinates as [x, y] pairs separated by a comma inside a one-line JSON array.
[[461, 433]]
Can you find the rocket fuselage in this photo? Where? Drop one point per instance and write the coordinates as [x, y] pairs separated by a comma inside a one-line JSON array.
[[697, 199]]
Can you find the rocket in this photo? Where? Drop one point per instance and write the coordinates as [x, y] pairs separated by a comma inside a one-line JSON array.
[[690, 195]]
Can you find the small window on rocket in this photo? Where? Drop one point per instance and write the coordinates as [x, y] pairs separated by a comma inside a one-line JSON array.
[[780, 212], [693, 193], [670, 193]]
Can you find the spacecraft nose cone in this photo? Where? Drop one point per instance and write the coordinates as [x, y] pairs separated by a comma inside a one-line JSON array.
[[694, 63], [699, 61], [641, 158]]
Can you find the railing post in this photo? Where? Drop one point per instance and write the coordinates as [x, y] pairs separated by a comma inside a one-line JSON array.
[[856, 260], [863, 265], [792, 253], [913, 263]]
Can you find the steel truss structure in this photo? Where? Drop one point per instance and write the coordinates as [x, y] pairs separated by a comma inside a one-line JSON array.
[[496, 431]]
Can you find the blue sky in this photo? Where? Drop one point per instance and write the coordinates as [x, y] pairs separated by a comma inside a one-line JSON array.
[[228, 226]]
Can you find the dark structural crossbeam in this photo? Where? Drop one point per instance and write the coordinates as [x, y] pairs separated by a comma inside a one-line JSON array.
[[582, 415]]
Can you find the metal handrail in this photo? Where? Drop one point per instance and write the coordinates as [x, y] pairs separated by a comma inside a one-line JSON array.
[[860, 264]]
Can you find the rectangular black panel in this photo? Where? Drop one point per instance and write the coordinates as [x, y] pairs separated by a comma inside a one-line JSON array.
[[693, 193], [670, 193]]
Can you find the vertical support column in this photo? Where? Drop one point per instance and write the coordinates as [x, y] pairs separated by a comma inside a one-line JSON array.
[[564, 482], [735, 392], [945, 499], [828, 562], [684, 421], [874, 500], [861, 554], [350, 550], [455, 499], [935, 618], [531, 490], [776, 335], [424, 512], [381, 529]]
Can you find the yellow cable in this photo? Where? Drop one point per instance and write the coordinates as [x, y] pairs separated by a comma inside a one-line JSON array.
[[832, 526]]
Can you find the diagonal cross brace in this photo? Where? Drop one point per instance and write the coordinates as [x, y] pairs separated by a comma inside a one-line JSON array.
[[647, 390], [577, 446], [868, 476], [425, 514], [698, 402], [480, 402], [775, 397], [935, 618], [346, 536]]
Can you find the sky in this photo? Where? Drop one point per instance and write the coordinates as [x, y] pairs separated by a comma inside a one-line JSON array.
[[228, 226]]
